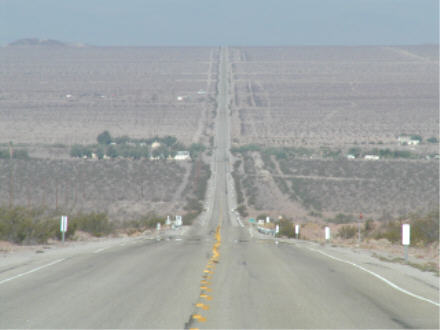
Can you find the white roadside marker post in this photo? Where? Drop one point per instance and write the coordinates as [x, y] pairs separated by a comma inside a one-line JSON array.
[[277, 230], [296, 231], [63, 226], [406, 239], [178, 221], [327, 234]]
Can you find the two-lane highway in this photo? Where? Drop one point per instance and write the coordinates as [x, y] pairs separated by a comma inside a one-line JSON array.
[[180, 283]]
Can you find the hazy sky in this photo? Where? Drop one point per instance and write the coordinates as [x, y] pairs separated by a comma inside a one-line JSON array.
[[222, 22]]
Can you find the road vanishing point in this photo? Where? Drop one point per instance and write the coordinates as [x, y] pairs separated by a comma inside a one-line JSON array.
[[217, 274]]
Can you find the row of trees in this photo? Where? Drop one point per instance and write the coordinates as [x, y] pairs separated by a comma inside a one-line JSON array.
[[282, 153], [126, 147], [416, 137], [17, 154], [383, 153], [105, 138]]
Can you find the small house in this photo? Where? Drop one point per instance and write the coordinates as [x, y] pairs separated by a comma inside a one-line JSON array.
[[350, 156], [182, 155], [371, 157], [155, 145], [413, 142], [407, 140]]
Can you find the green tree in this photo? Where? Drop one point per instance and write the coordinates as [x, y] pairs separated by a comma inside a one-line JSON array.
[[195, 149], [121, 139], [104, 138], [169, 140], [100, 152], [76, 150], [355, 151], [416, 137], [112, 152]]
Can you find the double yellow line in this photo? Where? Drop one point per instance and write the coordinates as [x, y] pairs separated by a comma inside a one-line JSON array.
[[207, 275]]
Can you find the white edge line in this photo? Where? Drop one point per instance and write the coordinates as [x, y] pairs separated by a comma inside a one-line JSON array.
[[31, 271], [101, 249], [391, 284]]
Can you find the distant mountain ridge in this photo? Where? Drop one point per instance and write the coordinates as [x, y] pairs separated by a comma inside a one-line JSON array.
[[42, 43]]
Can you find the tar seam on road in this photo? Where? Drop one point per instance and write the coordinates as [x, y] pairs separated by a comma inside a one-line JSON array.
[[31, 271], [391, 284]]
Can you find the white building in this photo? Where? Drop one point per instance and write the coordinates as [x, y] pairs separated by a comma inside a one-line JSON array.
[[413, 142], [371, 157], [182, 155], [155, 145], [350, 156], [407, 140]]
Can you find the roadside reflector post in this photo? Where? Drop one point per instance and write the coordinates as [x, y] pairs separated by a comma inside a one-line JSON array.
[[277, 230], [158, 226], [63, 226], [406, 229], [296, 231], [178, 221], [327, 233]]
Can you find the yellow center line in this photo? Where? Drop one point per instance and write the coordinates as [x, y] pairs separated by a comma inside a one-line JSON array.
[[202, 306], [199, 318], [205, 296]]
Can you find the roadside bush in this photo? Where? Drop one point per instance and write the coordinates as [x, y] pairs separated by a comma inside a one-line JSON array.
[[201, 184], [193, 204], [242, 210], [425, 230], [146, 222], [96, 224], [237, 184], [341, 218], [287, 228], [369, 225], [347, 232], [390, 231], [188, 218], [246, 148], [21, 225]]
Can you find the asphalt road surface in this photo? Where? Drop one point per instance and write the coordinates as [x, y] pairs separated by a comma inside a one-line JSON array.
[[174, 281]]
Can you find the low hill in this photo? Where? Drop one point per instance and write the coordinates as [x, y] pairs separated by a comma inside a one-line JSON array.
[[35, 42]]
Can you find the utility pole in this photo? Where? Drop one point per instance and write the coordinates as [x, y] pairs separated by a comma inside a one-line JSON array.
[[11, 175]]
